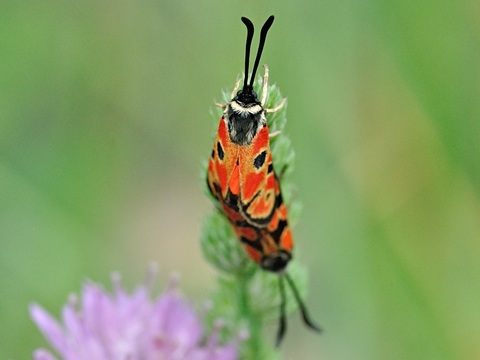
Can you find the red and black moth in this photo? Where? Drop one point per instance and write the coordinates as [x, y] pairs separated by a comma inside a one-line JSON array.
[[241, 177]]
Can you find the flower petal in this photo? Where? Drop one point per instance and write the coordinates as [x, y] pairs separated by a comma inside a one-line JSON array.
[[129, 326], [42, 354], [49, 327]]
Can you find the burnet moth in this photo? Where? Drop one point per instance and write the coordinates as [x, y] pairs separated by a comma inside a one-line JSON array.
[[241, 177]]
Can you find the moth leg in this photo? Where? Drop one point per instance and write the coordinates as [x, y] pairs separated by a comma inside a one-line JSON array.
[[264, 94], [278, 107], [234, 92], [235, 88], [264, 85], [274, 133]]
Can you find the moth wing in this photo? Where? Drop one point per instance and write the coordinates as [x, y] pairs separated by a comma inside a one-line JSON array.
[[278, 227], [276, 237], [222, 164], [257, 180]]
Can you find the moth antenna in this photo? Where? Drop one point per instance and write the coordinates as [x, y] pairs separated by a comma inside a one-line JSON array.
[[250, 30], [263, 36], [282, 327], [301, 305]]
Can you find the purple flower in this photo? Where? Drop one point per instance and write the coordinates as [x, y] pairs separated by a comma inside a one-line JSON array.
[[102, 326]]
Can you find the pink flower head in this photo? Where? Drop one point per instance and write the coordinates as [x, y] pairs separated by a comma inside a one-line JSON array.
[[122, 326]]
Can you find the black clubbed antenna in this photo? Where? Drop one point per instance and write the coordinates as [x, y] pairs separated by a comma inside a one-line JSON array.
[[249, 26], [263, 36]]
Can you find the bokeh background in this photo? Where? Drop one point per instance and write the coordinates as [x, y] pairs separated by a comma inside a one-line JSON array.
[[105, 120]]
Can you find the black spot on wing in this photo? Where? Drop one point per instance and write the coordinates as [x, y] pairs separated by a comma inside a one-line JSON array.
[[221, 153], [260, 160]]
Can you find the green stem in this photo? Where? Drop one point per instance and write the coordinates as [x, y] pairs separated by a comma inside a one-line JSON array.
[[253, 346]]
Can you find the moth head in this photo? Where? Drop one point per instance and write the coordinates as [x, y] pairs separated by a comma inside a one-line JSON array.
[[246, 97]]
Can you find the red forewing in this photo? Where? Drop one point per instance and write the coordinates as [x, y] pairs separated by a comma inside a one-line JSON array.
[[241, 176]]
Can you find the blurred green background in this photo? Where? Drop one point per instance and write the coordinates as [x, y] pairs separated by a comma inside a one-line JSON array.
[[105, 119]]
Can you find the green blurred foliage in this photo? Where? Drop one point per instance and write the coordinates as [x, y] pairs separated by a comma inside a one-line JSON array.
[[104, 122]]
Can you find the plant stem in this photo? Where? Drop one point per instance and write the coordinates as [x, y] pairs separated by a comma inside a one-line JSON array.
[[253, 346]]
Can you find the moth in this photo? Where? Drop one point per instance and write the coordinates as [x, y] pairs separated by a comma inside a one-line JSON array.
[[241, 177]]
